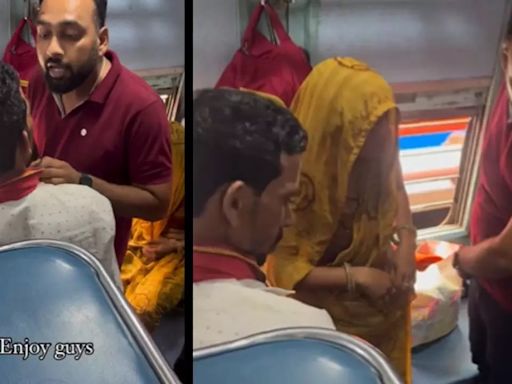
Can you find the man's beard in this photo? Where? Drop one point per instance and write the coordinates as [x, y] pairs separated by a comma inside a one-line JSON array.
[[73, 78]]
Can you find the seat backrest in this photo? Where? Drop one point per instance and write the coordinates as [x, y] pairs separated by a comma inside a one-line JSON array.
[[59, 294], [295, 356]]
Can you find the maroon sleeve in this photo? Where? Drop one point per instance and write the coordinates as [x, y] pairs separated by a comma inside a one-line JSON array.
[[149, 146]]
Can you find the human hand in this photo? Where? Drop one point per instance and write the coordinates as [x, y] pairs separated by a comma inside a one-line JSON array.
[[57, 171], [403, 271], [373, 283], [459, 259], [163, 246], [174, 234], [378, 287]]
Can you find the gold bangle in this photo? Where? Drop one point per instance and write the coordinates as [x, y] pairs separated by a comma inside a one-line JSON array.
[[409, 228], [350, 281]]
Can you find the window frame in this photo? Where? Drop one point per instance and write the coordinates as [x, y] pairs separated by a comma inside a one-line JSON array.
[[456, 224]]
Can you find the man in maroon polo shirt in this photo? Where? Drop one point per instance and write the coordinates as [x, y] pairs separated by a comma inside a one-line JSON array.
[[95, 122], [489, 260]]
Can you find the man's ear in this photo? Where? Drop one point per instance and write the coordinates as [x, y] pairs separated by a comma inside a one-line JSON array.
[[235, 201], [104, 41]]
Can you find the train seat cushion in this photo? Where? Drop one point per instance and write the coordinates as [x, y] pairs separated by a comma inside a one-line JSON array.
[[290, 361], [53, 296]]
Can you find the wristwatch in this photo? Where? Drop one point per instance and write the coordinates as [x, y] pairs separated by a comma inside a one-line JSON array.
[[85, 180]]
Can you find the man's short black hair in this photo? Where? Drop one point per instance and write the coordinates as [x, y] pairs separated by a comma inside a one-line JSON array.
[[13, 116], [101, 11], [238, 135]]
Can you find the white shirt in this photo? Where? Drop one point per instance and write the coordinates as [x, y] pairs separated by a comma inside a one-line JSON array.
[[227, 310], [74, 214]]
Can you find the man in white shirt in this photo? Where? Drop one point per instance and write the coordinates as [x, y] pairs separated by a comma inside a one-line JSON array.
[[32, 210], [247, 154]]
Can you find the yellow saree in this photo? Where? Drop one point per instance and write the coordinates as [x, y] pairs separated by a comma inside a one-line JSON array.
[[338, 104], [154, 287]]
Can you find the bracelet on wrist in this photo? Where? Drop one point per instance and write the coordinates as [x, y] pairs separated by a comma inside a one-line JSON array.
[[397, 238], [351, 286]]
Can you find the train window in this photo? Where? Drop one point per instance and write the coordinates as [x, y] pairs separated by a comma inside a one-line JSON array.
[[430, 155], [439, 140], [169, 84], [438, 137]]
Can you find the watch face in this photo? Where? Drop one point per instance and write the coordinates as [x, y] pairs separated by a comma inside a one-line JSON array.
[[86, 180]]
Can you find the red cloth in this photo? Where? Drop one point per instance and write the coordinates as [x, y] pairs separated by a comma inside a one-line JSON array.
[[262, 66], [212, 266], [492, 208], [19, 54], [20, 187], [120, 134]]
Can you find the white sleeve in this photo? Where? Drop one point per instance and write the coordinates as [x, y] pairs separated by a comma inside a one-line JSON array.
[[298, 314], [323, 320], [103, 231]]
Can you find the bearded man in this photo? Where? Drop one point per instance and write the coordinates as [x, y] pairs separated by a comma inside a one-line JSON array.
[[95, 122]]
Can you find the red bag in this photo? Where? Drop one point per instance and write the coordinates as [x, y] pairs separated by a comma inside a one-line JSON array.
[[19, 54], [278, 69]]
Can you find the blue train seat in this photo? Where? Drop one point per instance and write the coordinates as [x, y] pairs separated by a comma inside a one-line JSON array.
[[57, 293], [293, 355]]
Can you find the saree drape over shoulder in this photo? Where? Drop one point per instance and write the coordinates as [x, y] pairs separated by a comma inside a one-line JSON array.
[[339, 104]]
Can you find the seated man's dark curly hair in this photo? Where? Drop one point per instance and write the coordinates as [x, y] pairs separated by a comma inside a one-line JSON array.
[[13, 116]]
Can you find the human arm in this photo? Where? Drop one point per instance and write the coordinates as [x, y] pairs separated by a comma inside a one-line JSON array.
[[149, 202], [371, 282], [491, 258], [404, 273], [381, 146], [169, 242], [147, 144], [293, 268]]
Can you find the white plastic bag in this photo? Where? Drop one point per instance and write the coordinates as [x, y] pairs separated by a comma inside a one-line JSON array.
[[435, 310]]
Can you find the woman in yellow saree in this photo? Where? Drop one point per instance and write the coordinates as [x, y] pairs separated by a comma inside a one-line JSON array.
[[153, 269], [352, 203]]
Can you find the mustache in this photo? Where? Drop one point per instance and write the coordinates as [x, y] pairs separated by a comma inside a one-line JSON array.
[[55, 63]]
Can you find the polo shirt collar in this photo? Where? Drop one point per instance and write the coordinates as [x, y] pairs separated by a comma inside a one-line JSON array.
[[103, 89]]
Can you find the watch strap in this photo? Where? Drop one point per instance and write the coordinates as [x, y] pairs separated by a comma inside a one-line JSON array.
[[85, 180]]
